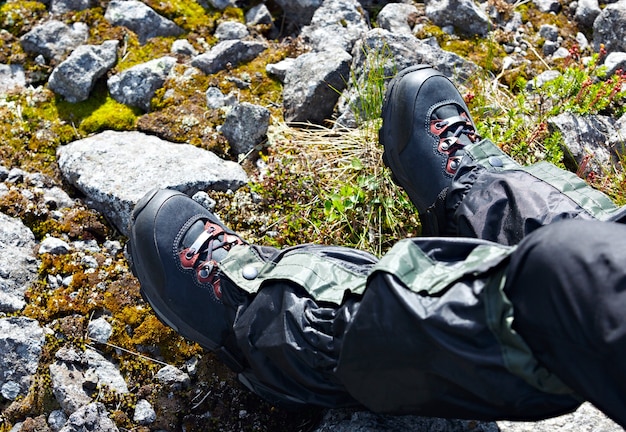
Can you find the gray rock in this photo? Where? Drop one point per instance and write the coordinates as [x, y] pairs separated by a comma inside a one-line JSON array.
[[173, 377], [10, 390], [548, 5], [56, 420], [87, 246], [12, 77], [56, 198], [99, 330], [144, 413], [541, 79], [336, 24], [18, 265], [221, 4], [16, 175], [299, 12], [54, 39], [54, 246], [586, 140], [467, 18], [549, 48], [549, 32], [4, 173], [67, 375], [204, 200], [617, 139], [313, 84], [397, 17], [21, 341], [92, 417], [183, 47], [64, 6], [245, 126], [582, 41], [108, 374], [585, 419], [112, 246], [141, 19], [614, 61], [259, 14], [560, 53], [136, 86], [75, 77], [216, 99], [609, 28], [351, 421], [231, 30], [515, 23], [225, 53], [586, 12], [279, 70], [115, 190]]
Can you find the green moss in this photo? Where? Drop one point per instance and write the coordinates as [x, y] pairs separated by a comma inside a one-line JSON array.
[[110, 115], [97, 113], [485, 52], [233, 13], [134, 53], [28, 121], [430, 30], [187, 14]]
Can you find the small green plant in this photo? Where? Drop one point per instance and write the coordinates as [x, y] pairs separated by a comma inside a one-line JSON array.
[[584, 88], [516, 118], [369, 84]]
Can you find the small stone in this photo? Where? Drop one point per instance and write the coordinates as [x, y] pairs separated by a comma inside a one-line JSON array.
[[99, 330], [56, 420], [10, 390], [259, 14], [54, 246], [89, 262], [144, 413], [229, 30], [173, 377], [204, 200], [183, 47]]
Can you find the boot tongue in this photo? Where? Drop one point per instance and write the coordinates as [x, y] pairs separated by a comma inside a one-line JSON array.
[[193, 233], [445, 112]]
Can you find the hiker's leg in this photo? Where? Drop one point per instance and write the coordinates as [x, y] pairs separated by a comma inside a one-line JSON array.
[[423, 330], [567, 283]]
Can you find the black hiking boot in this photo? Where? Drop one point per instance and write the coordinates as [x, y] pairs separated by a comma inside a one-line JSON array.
[[426, 125], [175, 245]]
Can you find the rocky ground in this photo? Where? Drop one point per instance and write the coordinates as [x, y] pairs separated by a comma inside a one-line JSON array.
[[102, 101]]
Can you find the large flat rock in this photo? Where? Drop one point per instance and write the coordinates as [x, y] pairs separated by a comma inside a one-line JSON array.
[[115, 169]]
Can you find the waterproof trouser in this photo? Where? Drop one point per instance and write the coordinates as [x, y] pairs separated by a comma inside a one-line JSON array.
[[521, 317]]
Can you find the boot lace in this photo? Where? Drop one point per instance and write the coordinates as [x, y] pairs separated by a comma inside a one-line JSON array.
[[200, 255], [450, 131]]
